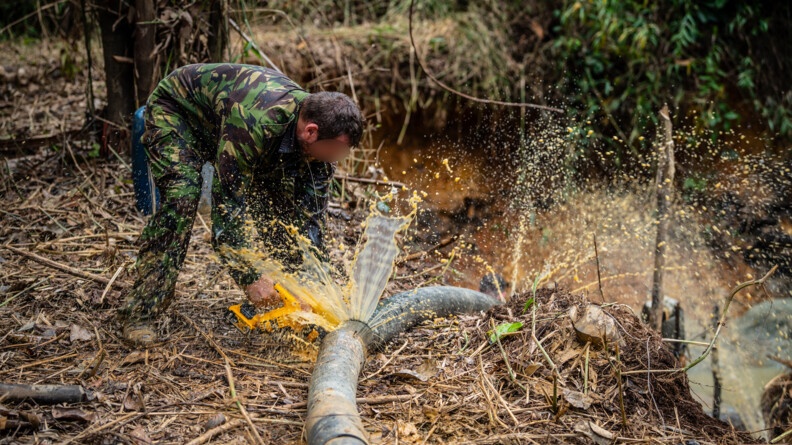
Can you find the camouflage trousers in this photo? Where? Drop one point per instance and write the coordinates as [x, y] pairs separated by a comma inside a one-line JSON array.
[[176, 169]]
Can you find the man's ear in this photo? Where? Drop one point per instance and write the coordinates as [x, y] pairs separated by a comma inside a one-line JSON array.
[[311, 132]]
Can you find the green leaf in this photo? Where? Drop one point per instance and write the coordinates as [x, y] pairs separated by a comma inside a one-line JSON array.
[[528, 303], [504, 329], [94, 153]]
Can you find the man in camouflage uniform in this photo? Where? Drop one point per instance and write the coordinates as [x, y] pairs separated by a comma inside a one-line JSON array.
[[272, 145]]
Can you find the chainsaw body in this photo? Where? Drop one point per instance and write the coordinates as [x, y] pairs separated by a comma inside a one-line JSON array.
[[245, 317]]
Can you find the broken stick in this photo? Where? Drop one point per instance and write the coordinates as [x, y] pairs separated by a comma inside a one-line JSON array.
[[43, 394]]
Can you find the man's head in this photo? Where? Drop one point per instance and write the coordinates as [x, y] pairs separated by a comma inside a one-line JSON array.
[[329, 125]]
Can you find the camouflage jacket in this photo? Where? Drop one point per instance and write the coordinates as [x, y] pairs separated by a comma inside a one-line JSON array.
[[243, 120]]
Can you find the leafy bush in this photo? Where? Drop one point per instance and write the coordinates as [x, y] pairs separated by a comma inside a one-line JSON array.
[[619, 61]]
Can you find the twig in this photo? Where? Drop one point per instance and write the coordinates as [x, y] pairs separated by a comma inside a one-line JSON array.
[[716, 380], [9, 147], [107, 425], [741, 286], [782, 436], [459, 93], [599, 276], [536, 340], [686, 342], [94, 365], [780, 360], [619, 382], [440, 245], [369, 181], [208, 339], [241, 407], [649, 383], [379, 400], [110, 283], [387, 362], [253, 44], [65, 268], [118, 156], [208, 435], [8, 300], [586, 369], [27, 16], [487, 387], [512, 374]]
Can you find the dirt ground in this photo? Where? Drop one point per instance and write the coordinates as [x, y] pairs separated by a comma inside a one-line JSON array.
[[444, 382]]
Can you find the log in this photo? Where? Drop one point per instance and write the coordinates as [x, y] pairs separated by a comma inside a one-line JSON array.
[[42, 394]]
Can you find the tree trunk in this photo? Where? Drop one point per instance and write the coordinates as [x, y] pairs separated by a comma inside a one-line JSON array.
[[665, 188], [146, 62], [218, 30], [119, 63]]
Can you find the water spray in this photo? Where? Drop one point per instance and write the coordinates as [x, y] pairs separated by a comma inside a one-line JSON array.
[[356, 319]]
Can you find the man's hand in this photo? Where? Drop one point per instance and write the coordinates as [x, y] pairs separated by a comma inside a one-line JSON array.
[[262, 293]]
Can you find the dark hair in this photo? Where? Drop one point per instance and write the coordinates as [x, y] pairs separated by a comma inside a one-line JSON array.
[[335, 114]]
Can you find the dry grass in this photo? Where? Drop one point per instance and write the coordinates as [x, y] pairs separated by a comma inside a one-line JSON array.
[[58, 329]]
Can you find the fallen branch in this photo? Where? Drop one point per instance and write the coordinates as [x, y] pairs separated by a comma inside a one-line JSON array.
[[13, 420], [64, 268], [10, 147]]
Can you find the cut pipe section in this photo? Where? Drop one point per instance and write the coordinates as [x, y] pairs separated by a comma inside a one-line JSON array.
[[333, 417]]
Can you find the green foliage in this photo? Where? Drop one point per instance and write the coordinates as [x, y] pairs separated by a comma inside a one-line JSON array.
[[625, 59], [528, 303], [31, 20], [94, 152], [504, 329]]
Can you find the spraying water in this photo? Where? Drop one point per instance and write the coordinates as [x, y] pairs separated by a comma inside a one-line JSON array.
[[313, 284], [545, 209], [373, 265]]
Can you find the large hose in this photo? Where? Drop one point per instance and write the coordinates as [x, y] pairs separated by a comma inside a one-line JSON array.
[[333, 418]]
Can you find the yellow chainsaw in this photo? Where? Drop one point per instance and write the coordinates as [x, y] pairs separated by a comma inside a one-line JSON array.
[[245, 317]]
